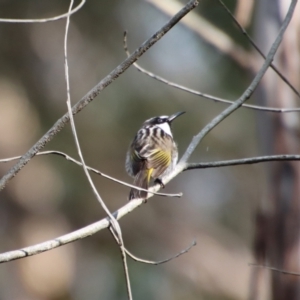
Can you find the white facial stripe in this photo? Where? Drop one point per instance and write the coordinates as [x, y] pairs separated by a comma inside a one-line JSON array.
[[162, 117], [166, 128]]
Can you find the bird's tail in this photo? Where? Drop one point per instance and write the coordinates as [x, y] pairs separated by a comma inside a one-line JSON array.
[[141, 180]]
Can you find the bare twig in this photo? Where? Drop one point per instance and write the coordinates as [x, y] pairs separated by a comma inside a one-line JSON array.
[[115, 226], [151, 262], [74, 236], [285, 272], [203, 95], [66, 15], [119, 239], [257, 48], [242, 161], [197, 93], [69, 158], [90, 96], [245, 96], [210, 97]]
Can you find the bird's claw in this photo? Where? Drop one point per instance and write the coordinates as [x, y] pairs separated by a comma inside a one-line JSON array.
[[159, 181]]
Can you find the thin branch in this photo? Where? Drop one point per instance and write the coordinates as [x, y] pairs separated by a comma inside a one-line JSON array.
[[115, 226], [66, 15], [69, 158], [151, 262], [119, 239], [71, 237], [257, 48], [242, 161], [75, 236], [274, 269], [200, 94], [246, 95], [91, 95], [188, 166]]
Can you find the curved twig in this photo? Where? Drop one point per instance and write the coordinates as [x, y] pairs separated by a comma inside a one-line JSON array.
[[200, 94], [151, 262], [67, 157], [66, 15]]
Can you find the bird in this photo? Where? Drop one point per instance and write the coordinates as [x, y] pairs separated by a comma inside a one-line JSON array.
[[152, 153]]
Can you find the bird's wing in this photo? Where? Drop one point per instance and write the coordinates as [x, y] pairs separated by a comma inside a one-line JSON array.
[[158, 160]]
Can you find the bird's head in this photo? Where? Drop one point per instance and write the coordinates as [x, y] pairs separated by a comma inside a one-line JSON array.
[[164, 122]]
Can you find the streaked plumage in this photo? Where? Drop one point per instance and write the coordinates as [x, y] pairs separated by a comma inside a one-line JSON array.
[[152, 154]]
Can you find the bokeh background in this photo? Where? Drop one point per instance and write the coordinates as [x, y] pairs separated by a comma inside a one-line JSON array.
[[51, 196]]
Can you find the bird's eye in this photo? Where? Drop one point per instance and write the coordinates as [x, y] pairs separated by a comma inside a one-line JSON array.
[[159, 120]]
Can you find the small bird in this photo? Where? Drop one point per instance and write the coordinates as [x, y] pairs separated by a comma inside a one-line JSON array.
[[152, 153]]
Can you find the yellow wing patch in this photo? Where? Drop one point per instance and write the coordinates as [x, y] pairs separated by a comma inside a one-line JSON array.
[[159, 159]]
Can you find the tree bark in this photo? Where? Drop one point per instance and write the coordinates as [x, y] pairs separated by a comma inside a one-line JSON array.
[[277, 241]]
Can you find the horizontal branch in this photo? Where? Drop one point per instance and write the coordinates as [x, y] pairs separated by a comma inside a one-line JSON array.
[[71, 159], [242, 161], [285, 272], [91, 95]]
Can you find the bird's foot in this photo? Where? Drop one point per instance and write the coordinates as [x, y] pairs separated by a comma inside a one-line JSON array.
[[159, 181]]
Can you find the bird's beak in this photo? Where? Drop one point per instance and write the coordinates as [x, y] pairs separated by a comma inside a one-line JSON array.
[[173, 117]]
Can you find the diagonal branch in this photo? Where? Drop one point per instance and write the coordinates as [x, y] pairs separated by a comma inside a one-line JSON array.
[[92, 94], [70, 237], [245, 96], [257, 48]]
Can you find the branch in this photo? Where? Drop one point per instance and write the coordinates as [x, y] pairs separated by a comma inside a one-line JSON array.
[[246, 95], [86, 231], [203, 95], [151, 262], [91, 95], [73, 236], [243, 161], [115, 226], [66, 15], [275, 269], [69, 158], [244, 32]]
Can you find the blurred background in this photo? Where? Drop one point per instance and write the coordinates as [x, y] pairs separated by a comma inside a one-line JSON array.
[[220, 207]]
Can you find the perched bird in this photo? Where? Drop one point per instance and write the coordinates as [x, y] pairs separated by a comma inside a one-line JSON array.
[[152, 154]]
